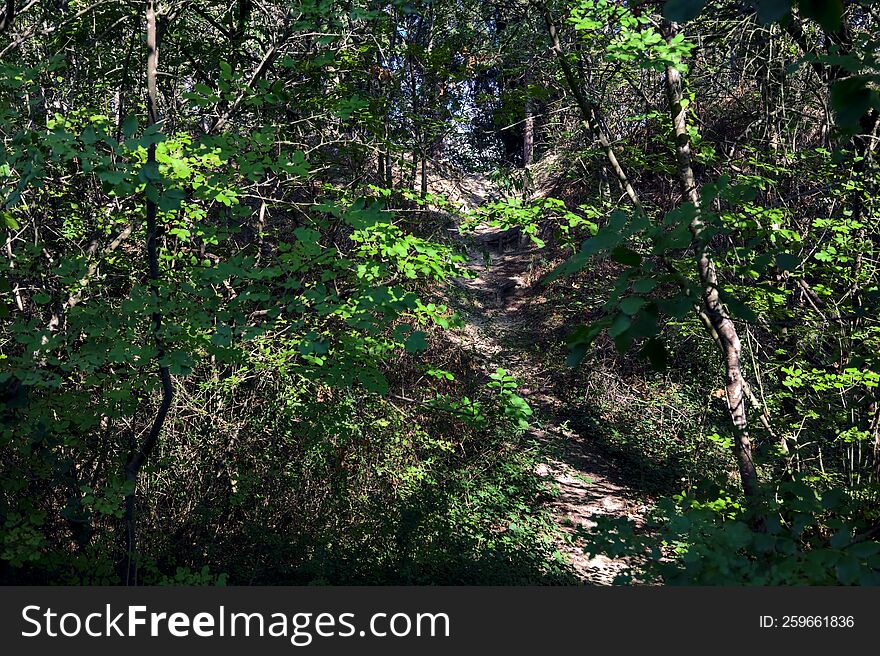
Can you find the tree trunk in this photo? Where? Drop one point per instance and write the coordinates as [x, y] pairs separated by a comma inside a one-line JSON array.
[[424, 189], [139, 457], [528, 127], [720, 322], [8, 16]]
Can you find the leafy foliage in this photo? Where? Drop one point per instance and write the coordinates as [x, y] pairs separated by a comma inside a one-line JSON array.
[[244, 268]]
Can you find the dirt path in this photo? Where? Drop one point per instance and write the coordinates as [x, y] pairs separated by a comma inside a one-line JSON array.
[[588, 484]]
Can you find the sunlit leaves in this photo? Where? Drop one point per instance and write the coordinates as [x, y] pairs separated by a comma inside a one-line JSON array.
[[635, 39], [404, 253], [8, 220], [515, 407]]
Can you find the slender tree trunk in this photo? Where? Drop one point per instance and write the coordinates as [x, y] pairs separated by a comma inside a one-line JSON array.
[[528, 127], [8, 16], [414, 168], [416, 113], [424, 190], [717, 316], [389, 171], [137, 459]]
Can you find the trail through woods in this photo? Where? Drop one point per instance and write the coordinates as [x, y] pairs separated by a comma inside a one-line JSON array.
[[498, 310]]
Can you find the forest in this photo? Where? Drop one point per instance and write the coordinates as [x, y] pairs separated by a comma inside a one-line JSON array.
[[439, 292]]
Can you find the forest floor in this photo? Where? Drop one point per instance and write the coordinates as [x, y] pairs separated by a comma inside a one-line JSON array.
[[502, 306]]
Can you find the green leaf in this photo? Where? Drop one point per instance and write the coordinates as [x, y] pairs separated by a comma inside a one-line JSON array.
[[738, 308], [149, 173], [631, 304], [851, 99], [222, 336], [644, 286], [647, 322], [864, 549], [848, 570], [626, 256], [621, 323], [112, 178], [678, 306], [582, 339], [179, 362], [655, 350], [151, 136], [171, 199], [787, 261], [373, 381], [607, 238], [828, 13], [840, 539], [129, 126], [770, 11], [313, 344], [683, 10], [8, 220], [681, 215], [679, 237], [416, 342], [88, 135]]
